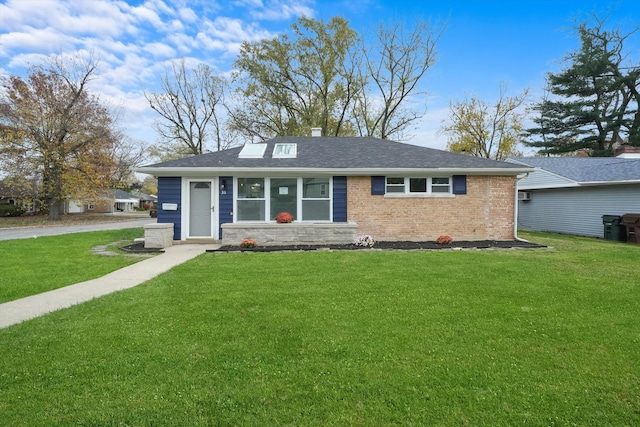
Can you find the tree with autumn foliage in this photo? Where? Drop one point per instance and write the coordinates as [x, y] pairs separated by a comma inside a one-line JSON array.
[[56, 133], [481, 129]]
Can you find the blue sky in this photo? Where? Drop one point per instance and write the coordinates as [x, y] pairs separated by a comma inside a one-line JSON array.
[[485, 43]]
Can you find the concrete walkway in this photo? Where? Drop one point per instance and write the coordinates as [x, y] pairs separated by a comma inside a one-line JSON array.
[[17, 311]]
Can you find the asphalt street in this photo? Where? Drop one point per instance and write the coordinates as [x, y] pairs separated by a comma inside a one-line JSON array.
[[34, 232]]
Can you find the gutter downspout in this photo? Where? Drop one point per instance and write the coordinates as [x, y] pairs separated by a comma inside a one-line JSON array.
[[515, 223]]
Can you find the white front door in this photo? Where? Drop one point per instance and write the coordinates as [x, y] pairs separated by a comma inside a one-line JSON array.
[[201, 209]]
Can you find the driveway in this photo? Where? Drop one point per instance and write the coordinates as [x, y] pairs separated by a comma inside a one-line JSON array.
[[28, 232]]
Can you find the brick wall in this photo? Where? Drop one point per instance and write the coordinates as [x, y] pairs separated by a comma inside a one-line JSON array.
[[486, 212]]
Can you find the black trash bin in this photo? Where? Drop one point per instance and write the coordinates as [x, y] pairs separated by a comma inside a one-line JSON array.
[[632, 223], [613, 228]]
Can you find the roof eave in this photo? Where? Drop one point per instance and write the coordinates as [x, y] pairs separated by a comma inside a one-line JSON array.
[[216, 171], [612, 182], [577, 184]]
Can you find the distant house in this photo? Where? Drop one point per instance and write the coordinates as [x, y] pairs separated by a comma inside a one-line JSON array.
[[571, 194], [28, 200], [110, 201], [389, 190], [147, 201]]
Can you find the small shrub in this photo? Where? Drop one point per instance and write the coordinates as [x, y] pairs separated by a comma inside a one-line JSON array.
[[284, 218], [11, 210], [248, 243], [444, 240], [364, 240]]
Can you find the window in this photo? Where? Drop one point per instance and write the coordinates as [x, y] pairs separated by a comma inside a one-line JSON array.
[[440, 185], [252, 151], [417, 185], [426, 185], [395, 185], [284, 196], [250, 199], [316, 204], [261, 199], [284, 150]]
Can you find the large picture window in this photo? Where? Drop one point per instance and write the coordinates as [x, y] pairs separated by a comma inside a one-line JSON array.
[[261, 199], [418, 185], [284, 196]]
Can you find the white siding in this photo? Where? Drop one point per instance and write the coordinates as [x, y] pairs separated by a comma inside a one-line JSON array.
[[577, 210]]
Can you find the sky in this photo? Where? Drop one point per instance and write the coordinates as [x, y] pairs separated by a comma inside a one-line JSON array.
[[484, 43]]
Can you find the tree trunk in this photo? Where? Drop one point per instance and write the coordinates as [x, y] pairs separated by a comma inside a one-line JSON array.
[[56, 208]]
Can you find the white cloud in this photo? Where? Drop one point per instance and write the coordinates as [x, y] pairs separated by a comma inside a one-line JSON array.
[[278, 10], [35, 40], [160, 50], [145, 14], [24, 60], [183, 43], [187, 15], [135, 40]]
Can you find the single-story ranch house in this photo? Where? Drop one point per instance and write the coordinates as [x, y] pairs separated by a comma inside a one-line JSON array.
[[336, 187]]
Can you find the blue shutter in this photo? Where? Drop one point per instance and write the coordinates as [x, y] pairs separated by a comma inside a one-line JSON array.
[[378, 184], [459, 184], [170, 191], [339, 199], [225, 208]]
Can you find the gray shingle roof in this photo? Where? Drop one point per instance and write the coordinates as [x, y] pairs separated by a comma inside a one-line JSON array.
[[341, 153], [588, 169], [121, 194]]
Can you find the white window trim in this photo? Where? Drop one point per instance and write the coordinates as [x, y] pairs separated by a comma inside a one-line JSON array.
[[427, 195], [185, 200], [266, 182], [267, 200]]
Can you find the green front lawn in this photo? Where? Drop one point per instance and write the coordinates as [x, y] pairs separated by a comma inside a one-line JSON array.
[[368, 338], [32, 266]]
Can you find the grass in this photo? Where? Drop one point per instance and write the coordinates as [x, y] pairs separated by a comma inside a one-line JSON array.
[[31, 266], [451, 338]]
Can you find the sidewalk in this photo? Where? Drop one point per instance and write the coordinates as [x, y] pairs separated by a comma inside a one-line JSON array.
[[17, 311], [30, 232]]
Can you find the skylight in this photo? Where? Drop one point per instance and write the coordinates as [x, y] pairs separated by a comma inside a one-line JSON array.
[[284, 150], [252, 151]]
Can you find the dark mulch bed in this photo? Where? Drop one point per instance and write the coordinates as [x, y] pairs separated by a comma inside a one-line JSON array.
[[139, 248], [405, 245]]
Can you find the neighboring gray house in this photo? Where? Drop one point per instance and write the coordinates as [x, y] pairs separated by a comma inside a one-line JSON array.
[[571, 194]]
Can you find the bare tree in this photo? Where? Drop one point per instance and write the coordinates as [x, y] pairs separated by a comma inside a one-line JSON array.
[[190, 108], [394, 64], [127, 153]]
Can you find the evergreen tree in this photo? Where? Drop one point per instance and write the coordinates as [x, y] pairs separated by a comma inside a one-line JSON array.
[[593, 103]]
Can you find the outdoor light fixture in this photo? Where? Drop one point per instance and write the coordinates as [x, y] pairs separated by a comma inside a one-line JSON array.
[[223, 186]]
